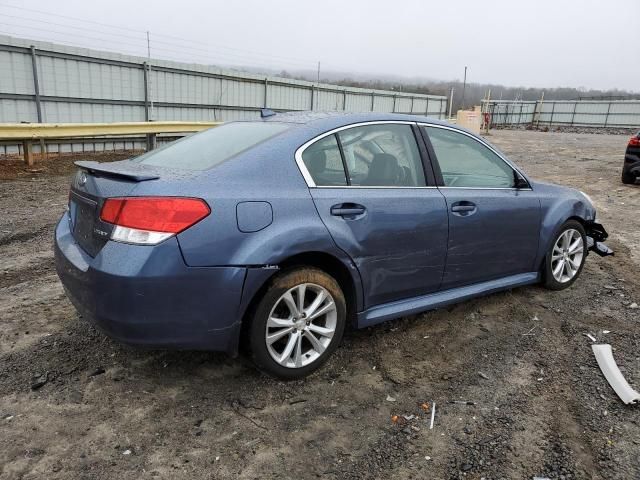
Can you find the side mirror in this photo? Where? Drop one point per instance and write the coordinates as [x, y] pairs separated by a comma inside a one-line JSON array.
[[519, 181]]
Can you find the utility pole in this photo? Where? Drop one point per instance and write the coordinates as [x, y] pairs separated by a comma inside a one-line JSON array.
[[149, 76], [487, 115], [451, 102], [464, 86], [537, 110], [318, 73]]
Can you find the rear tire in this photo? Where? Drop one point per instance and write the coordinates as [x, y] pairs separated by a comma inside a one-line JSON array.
[[298, 323], [566, 256], [628, 178]]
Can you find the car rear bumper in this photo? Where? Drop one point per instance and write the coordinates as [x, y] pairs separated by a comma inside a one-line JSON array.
[[147, 296]]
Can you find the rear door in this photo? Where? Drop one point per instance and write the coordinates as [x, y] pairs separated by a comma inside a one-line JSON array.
[[369, 185], [493, 225]]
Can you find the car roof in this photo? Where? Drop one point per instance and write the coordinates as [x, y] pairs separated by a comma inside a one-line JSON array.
[[312, 123], [339, 119]]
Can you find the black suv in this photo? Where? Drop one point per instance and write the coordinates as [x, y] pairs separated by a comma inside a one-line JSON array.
[[631, 167]]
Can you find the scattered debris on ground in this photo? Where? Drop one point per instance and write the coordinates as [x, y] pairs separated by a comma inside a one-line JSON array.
[[604, 357]]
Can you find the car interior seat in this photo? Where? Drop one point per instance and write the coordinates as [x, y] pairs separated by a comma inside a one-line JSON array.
[[384, 170], [316, 163]]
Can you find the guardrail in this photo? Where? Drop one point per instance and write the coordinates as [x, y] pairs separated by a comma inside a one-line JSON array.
[[29, 132]]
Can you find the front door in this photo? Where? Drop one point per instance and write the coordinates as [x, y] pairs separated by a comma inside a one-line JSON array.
[[371, 193], [493, 226]]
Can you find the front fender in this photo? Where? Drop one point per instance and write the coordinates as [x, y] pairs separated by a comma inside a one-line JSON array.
[[559, 204]]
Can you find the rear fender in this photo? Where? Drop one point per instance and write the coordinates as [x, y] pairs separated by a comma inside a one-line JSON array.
[[258, 277]]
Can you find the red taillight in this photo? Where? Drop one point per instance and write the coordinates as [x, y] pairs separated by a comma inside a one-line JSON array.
[[634, 142], [155, 214]]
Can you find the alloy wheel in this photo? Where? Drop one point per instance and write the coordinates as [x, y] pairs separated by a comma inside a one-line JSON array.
[[301, 325], [566, 257]]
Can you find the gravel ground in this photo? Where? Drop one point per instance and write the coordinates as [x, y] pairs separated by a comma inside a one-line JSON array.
[[74, 404]]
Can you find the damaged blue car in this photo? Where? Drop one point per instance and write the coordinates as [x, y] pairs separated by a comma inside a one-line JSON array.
[[272, 235]]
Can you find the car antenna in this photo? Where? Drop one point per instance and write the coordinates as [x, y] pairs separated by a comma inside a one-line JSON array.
[[266, 112]]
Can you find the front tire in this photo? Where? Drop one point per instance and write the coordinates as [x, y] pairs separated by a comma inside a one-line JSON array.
[[628, 178], [298, 323], [566, 256]]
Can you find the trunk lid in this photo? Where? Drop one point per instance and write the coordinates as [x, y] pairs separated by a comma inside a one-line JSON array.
[[91, 185]]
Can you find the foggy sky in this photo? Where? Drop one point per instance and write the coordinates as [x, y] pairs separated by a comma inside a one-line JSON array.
[[517, 43]]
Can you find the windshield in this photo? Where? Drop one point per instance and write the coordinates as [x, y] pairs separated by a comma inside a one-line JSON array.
[[211, 147]]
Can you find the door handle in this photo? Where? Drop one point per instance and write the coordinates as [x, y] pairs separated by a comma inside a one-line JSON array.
[[347, 209], [464, 208]]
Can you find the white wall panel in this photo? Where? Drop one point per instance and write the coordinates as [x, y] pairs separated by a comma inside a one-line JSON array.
[[403, 105], [16, 111], [16, 73], [381, 104], [358, 103], [109, 87]]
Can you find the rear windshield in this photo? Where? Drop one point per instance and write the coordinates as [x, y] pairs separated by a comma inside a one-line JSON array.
[[211, 147]]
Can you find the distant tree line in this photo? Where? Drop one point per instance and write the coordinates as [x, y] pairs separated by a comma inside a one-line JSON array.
[[473, 93]]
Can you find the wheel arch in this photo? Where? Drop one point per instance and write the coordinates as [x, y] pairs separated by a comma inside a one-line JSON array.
[[555, 215], [258, 281], [337, 269], [550, 238]]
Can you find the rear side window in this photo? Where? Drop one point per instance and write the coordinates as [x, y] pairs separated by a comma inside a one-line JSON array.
[[384, 155], [381, 155], [465, 162], [211, 147], [324, 163]]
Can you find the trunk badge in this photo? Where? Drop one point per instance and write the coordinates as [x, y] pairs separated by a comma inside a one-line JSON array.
[[83, 179]]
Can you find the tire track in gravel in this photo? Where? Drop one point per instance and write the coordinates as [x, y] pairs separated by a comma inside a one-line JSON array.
[[395, 449], [21, 237], [27, 273], [584, 407]]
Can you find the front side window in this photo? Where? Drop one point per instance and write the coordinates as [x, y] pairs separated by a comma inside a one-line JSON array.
[[465, 162], [384, 155]]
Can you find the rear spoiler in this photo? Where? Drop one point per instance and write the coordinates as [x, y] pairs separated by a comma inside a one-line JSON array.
[[115, 170]]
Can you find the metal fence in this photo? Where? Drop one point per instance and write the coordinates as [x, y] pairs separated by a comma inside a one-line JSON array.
[[45, 82], [578, 113]]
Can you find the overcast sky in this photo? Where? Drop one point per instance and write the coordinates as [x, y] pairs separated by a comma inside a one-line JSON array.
[[543, 43]]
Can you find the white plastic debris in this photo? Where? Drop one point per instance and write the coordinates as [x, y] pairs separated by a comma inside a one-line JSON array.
[[607, 364], [433, 414], [390, 398], [591, 337], [127, 452]]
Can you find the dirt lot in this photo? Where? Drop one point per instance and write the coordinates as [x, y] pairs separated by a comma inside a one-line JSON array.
[[542, 407]]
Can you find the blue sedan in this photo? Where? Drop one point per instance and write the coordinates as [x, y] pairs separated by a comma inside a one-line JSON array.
[[272, 235]]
